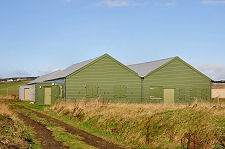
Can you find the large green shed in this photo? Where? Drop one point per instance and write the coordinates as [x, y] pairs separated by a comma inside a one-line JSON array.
[[172, 81], [102, 77], [169, 80], [106, 78]]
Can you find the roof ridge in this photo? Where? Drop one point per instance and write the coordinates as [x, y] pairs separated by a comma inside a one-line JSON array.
[[66, 71], [43, 77], [50, 73], [75, 67], [82, 62], [153, 61]]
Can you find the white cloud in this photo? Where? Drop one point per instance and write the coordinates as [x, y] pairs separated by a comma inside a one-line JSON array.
[[18, 73], [126, 3], [214, 71], [1, 76], [213, 2], [45, 70], [68, 1], [24, 73], [119, 3], [170, 4], [165, 4]]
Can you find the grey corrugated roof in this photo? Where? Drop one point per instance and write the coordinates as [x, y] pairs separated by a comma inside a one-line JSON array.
[[62, 73], [70, 69], [145, 68], [142, 69], [44, 77]]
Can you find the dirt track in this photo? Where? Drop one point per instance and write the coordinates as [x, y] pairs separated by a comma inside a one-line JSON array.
[[88, 138], [42, 133]]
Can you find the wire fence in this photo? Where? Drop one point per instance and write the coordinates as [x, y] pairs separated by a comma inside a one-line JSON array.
[[9, 91]]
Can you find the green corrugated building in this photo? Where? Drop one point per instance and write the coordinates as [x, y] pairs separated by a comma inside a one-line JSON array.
[[169, 80], [106, 78], [172, 81], [102, 77]]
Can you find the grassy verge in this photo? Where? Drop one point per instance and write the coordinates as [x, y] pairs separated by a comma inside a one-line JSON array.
[[74, 121], [13, 133], [150, 125], [70, 140], [147, 125]]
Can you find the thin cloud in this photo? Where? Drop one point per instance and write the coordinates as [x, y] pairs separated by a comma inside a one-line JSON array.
[[119, 3], [45, 70], [213, 2], [213, 71], [127, 3], [170, 4], [18, 73], [1, 76], [67, 1], [165, 4]]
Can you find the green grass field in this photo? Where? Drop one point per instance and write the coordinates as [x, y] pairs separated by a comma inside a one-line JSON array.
[[10, 88]]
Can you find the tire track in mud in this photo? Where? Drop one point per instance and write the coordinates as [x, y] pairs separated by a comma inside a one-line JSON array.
[[42, 134], [87, 137]]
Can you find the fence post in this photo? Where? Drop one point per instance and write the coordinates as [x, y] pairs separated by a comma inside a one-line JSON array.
[[7, 91]]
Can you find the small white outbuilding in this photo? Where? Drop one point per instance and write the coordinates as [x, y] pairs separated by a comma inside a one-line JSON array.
[[27, 92]]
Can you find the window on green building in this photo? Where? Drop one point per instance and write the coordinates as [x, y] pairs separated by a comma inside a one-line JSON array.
[[156, 92]]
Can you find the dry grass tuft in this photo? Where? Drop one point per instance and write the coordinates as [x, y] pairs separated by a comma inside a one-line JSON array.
[[153, 125], [4, 110], [13, 134]]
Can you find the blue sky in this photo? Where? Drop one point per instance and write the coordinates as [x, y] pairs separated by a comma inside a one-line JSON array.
[[40, 36]]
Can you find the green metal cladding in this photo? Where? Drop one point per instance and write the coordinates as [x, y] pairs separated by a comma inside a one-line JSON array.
[[188, 83], [105, 78], [56, 92]]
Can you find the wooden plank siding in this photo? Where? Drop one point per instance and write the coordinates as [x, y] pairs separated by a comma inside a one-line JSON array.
[[187, 82], [105, 78]]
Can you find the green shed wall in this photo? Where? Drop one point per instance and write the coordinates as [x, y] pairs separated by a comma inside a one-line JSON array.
[[187, 83], [40, 92], [105, 78]]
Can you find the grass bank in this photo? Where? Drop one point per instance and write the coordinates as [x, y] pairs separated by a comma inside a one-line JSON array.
[[13, 133], [149, 125], [69, 140]]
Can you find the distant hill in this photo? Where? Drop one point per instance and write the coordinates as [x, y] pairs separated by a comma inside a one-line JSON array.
[[17, 79], [221, 81]]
